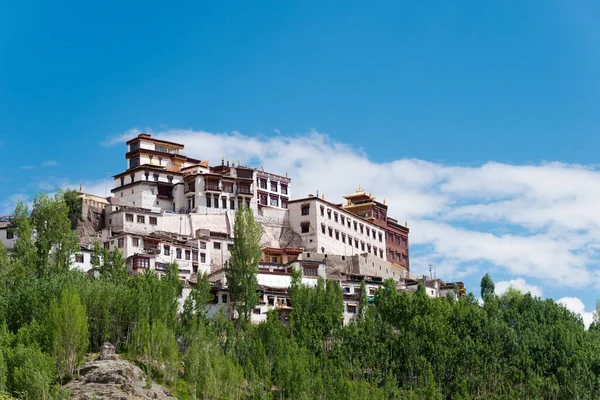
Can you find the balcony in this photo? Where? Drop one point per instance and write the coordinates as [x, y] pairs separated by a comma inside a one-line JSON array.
[[211, 187], [242, 174], [245, 192]]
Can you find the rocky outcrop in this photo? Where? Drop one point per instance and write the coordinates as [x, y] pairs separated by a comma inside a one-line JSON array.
[[113, 379]]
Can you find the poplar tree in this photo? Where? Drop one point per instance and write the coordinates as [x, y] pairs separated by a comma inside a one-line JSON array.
[[69, 329], [243, 264]]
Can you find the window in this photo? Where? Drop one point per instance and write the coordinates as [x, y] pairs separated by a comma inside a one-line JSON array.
[[121, 242], [343, 219], [368, 248], [274, 201], [305, 209], [202, 257], [256, 311], [167, 250], [343, 238], [141, 219], [229, 246], [178, 254], [374, 233], [271, 300], [305, 226], [362, 246], [224, 298], [10, 234], [208, 201], [224, 203], [284, 189], [310, 271], [134, 162], [350, 240], [107, 245], [129, 217], [352, 308], [362, 227], [356, 243], [380, 253], [368, 231], [122, 180], [349, 223], [330, 232], [141, 262], [380, 237], [263, 183], [155, 177], [136, 242], [153, 221], [132, 178], [404, 243], [284, 203], [170, 179], [335, 217], [216, 202], [217, 245], [372, 291], [147, 174], [337, 235], [203, 245], [322, 211], [328, 213], [232, 204], [355, 226], [273, 186], [322, 228], [195, 256], [79, 258]]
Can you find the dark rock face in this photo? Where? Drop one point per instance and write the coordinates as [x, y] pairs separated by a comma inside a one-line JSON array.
[[113, 379]]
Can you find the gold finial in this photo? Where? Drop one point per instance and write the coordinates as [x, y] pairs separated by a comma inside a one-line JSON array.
[[238, 163], [262, 168], [286, 175], [384, 202], [406, 224], [323, 196], [370, 195], [359, 189]]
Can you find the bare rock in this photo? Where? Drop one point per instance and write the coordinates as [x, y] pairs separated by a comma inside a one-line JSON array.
[[114, 379], [107, 352]]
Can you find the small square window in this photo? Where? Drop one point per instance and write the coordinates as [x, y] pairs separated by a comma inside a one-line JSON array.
[[136, 242], [167, 250], [217, 245], [129, 217], [79, 258], [153, 220], [178, 253], [121, 242], [10, 234], [141, 219]]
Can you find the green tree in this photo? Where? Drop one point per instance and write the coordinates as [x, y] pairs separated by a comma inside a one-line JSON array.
[[487, 286], [31, 373], [243, 264], [69, 328], [24, 249], [75, 206], [55, 241]]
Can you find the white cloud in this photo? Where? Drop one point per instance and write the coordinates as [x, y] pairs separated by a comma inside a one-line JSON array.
[[7, 207], [575, 305], [520, 284], [28, 167], [49, 163]]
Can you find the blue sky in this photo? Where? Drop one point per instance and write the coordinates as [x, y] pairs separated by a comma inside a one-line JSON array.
[[476, 120]]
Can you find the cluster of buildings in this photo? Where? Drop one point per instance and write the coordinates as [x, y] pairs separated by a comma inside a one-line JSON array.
[[167, 207]]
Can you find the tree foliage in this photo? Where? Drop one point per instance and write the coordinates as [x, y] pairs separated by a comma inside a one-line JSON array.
[[243, 264]]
